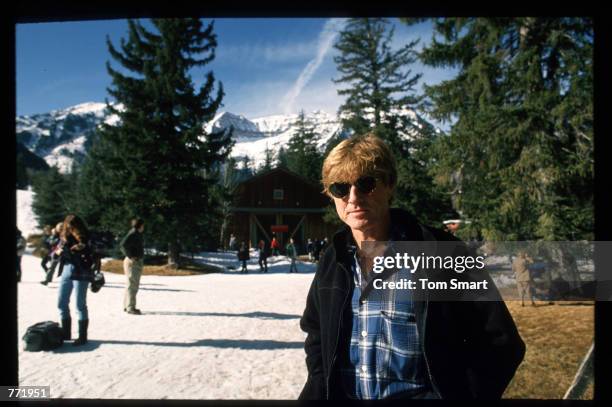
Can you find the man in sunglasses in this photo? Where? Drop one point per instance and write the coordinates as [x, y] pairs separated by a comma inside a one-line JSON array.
[[361, 347]]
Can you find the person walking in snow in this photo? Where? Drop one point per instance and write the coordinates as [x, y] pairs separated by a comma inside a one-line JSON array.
[[274, 245], [232, 242], [76, 270], [243, 256], [263, 256], [54, 241], [310, 249], [132, 247], [21, 246], [317, 249], [292, 253], [46, 243]]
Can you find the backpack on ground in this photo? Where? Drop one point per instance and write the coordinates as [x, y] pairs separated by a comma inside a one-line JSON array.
[[45, 335]]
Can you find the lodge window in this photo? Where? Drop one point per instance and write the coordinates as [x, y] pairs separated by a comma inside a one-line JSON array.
[[278, 194]]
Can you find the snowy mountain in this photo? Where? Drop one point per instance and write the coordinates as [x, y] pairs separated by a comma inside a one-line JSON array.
[[63, 136]]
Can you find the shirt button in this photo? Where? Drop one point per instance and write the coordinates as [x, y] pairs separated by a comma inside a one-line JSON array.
[[364, 368], [364, 333]]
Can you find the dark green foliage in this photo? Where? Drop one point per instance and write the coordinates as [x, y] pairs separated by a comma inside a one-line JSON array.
[[302, 155], [281, 158], [520, 154], [268, 162], [246, 169], [381, 90], [54, 196], [27, 164], [331, 217], [416, 190], [158, 163]]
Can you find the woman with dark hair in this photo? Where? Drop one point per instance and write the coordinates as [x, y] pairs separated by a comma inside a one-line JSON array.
[[75, 271]]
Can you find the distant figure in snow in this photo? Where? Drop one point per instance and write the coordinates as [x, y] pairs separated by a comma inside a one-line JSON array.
[[54, 244], [243, 256], [317, 248], [310, 249], [263, 256], [46, 237], [132, 246], [274, 245], [21, 246], [291, 253], [232, 242], [322, 246]]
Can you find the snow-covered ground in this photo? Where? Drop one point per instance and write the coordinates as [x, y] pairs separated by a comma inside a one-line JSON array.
[[215, 336], [25, 217]]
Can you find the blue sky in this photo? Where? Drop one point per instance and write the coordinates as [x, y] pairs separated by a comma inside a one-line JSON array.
[[267, 65]]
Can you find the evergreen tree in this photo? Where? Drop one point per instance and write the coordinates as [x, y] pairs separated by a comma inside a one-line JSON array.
[[158, 162], [302, 153], [53, 196], [379, 79], [281, 158], [520, 155], [381, 89], [268, 161]]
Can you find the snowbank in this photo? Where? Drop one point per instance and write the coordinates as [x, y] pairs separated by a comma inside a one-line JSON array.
[[25, 217], [214, 336]]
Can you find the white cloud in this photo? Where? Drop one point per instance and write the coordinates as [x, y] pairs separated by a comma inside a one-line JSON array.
[[264, 98], [265, 52], [326, 40]]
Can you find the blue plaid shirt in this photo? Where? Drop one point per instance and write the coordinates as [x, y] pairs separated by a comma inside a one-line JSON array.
[[384, 355]]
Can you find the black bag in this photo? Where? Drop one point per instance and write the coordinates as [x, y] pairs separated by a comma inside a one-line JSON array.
[[43, 336], [97, 282]]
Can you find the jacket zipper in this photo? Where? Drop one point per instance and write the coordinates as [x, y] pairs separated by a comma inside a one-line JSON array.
[[337, 339]]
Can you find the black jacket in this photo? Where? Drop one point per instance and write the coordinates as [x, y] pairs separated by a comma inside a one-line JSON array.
[[132, 244], [83, 260], [471, 348]]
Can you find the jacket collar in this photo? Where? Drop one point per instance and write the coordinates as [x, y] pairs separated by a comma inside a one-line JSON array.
[[404, 226]]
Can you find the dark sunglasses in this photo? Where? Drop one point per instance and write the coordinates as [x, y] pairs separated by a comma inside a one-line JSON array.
[[365, 185]]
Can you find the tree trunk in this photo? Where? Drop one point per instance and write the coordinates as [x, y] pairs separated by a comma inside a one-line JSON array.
[[224, 226], [173, 255]]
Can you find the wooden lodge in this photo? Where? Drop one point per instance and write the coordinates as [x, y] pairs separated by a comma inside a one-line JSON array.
[[282, 202]]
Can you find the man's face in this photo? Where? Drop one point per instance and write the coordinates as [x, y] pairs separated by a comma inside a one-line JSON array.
[[453, 227], [141, 228], [364, 212]]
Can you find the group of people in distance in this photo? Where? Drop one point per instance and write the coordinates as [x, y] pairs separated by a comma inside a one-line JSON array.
[[314, 249]]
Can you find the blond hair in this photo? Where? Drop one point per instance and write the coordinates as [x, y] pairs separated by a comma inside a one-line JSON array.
[[358, 156]]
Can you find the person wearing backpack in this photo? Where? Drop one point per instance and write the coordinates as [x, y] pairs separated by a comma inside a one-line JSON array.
[[75, 272]]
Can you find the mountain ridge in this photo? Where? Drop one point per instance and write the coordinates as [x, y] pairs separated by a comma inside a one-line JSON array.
[[61, 136]]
